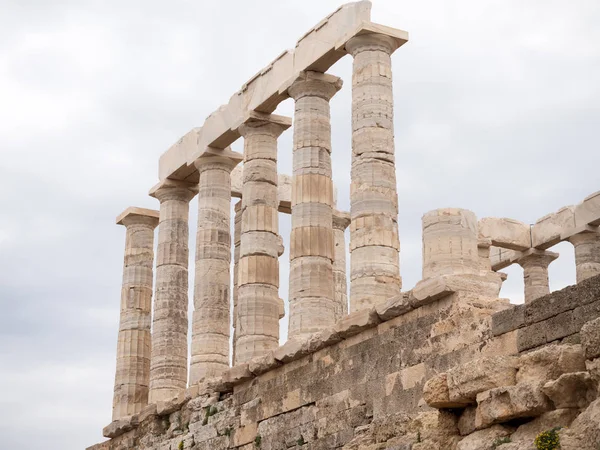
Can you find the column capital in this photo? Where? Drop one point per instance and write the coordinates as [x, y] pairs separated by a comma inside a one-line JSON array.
[[215, 158], [341, 220], [314, 84], [370, 42], [174, 190], [535, 257], [138, 216], [260, 123]]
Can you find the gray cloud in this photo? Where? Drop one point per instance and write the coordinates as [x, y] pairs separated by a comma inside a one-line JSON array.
[[496, 111]]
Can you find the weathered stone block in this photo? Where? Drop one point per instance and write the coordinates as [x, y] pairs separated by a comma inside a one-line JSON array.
[[237, 374], [484, 439], [466, 421], [508, 320], [584, 432], [290, 351], [548, 363], [506, 403], [262, 364], [393, 307], [436, 394], [466, 381], [527, 432], [322, 339], [590, 338], [571, 390], [531, 336], [121, 426], [356, 322], [428, 291]]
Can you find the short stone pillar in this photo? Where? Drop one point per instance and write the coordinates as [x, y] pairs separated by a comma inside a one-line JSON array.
[[341, 220], [586, 241], [450, 244], [210, 323], [535, 272], [374, 243], [257, 312], [169, 362], [311, 291], [133, 347], [237, 233]]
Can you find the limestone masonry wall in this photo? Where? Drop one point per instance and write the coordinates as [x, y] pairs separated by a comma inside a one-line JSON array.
[[360, 385]]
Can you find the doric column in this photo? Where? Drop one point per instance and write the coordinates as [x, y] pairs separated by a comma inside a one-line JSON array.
[[237, 232], [374, 243], [311, 299], [133, 347], [587, 251], [450, 245], [535, 272], [210, 323], [341, 220], [257, 318], [169, 362]]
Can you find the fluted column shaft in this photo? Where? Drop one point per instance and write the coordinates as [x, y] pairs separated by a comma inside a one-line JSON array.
[[341, 220], [169, 362], [374, 243], [134, 346], [587, 254], [210, 323], [535, 273], [311, 295], [237, 233], [257, 320]]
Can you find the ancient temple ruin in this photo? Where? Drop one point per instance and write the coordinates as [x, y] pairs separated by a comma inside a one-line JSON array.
[[445, 365]]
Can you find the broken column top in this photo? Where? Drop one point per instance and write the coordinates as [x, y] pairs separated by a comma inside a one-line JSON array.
[[133, 213]]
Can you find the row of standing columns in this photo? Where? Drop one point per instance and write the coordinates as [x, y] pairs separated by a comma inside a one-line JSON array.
[[317, 288]]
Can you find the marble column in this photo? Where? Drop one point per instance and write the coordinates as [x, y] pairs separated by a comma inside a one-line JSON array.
[[374, 243], [311, 291], [535, 272], [587, 252], [450, 244], [210, 322], [257, 318], [237, 232], [169, 362], [341, 220], [133, 347]]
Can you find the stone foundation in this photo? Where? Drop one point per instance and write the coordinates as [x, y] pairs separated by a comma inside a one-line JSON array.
[[360, 385]]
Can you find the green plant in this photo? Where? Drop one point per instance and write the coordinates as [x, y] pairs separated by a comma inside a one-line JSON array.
[[500, 441], [209, 411], [228, 431], [300, 441], [418, 436], [257, 441], [180, 446], [548, 440]]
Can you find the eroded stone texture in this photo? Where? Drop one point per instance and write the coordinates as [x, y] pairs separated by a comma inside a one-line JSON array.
[[134, 345], [535, 272], [258, 307], [237, 232], [210, 325], [311, 290], [374, 242], [587, 254], [169, 361], [341, 220]]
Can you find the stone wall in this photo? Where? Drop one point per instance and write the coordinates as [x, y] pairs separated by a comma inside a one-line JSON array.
[[360, 385]]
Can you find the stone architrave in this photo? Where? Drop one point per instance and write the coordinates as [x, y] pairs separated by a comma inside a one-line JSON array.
[[341, 221], [133, 347], [258, 305], [374, 242], [210, 322], [169, 361], [535, 272], [311, 291], [237, 232], [586, 242]]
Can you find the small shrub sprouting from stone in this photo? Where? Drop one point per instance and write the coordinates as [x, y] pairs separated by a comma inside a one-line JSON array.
[[418, 436], [209, 411], [548, 440], [228, 431], [500, 441], [257, 441], [300, 441], [180, 446]]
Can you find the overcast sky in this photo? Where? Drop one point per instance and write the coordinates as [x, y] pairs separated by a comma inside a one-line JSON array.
[[497, 106]]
